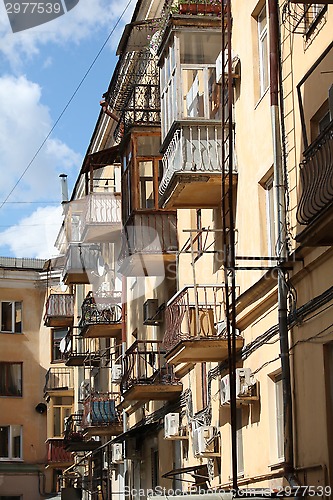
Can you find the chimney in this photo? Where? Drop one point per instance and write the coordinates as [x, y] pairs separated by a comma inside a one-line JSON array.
[[64, 188]]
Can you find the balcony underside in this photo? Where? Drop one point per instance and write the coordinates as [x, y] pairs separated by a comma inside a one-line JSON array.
[[82, 359], [101, 330], [76, 277], [149, 392], [76, 446], [59, 321], [113, 429], [193, 190], [140, 264], [101, 232], [201, 351], [320, 231]]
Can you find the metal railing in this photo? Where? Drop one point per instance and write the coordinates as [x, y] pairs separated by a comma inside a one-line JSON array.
[[58, 378], [76, 346], [194, 313], [56, 452], [59, 305], [144, 363], [81, 256], [73, 428], [100, 409], [316, 173], [101, 310], [102, 208]]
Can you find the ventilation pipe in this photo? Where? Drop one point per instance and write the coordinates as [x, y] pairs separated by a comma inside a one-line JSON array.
[[64, 188]]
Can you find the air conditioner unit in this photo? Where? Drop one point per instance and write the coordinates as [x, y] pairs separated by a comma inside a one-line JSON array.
[[116, 373], [205, 442], [151, 313], [117, 453], [171, 425], [246, 387], [84, 389]]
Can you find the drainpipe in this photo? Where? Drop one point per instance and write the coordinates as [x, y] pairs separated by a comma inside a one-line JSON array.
[[281, 248]]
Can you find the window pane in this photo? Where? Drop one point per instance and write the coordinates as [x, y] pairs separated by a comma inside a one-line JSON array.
[[56, 421], [4, 437], [214, 93], [57, 336], [279, 417], [14, 379], [199, 48], [6, 316], [193, 90], [16, 441], [146, 187], [18, 317]]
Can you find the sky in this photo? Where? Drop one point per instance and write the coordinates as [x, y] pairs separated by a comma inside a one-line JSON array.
[[40, 70]]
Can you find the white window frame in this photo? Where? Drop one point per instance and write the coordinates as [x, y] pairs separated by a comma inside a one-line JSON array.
[[10, 445], [263, 61], [13, 302], [279, 417], [270, 217], [63, 409]]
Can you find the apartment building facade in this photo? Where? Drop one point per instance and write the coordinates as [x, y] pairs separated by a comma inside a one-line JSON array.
[[197, 247]]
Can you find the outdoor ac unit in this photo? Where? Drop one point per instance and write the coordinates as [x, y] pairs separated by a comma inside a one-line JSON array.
[[84, 389], [246, 387], [151, 314], [117, 453], [116, 373], [171, 425], [205, 441]]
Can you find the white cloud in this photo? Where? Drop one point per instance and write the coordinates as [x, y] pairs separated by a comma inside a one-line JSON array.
[[34, 236]]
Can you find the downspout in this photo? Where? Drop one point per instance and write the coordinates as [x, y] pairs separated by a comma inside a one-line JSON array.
[[281, 246]]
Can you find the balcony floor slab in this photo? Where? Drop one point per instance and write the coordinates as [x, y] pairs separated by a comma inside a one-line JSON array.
[[201, 350]]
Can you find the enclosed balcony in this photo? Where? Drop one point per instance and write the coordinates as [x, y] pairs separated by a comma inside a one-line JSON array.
[[80, 261], [101, 315], [59, 310], [195, 326], [147, 376], [57, 455], [149, 243], [74, 439], [101, 219], [100, 415], [315, 209], [58, 381]]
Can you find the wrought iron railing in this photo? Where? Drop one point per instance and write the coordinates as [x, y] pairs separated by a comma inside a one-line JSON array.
[[101, 310], [194, 313], [100, 409], [56, 452], [102, 208], [77, 346], [144, 363], [73, 428], [59, 305], [58, 378], [316, 173]]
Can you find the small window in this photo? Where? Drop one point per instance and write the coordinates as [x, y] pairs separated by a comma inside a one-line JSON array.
[[270, 217], [57, 336], [10, 379], [10, 442], [279, 416], [11, 317], [263, 50]]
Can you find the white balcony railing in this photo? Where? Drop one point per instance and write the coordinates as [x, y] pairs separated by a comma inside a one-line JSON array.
[[102, 208]]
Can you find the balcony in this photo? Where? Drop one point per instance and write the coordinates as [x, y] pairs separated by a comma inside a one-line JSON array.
[[74, 438], [59, 381], [316, 202], [149, 243], [100, 415], [59, 310], [195, 326], [80, 260], [57, 455], [101, 219], [147, 376], [192, 166], [101, 315], [79, 351]]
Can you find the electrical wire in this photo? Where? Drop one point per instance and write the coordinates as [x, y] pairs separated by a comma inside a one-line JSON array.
[[67, 104]]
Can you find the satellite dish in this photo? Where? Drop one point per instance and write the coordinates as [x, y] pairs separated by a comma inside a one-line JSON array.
[[101, 268], [64, 345]]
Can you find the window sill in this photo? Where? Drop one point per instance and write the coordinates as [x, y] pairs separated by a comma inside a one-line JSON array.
[[11, 460], [11, 333], [278, 465]]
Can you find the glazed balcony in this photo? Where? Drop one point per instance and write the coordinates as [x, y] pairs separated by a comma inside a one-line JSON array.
[[147, 376], [57, 455], [59, 310], [101, 219], [74, 437], [315, 208], [100, 415], [149, 243], [80, 351], [59, 381], [101, 315], [192, 166], [80, 260], [195, 327]]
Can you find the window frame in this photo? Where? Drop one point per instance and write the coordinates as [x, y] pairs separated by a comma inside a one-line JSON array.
[[279, 416], [270, 216], [54, 342], [263, 61], [13, 328], [10, 457], [8, 364]]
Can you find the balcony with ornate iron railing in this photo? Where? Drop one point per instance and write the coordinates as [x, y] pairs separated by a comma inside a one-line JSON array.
[[316, 202], [195, 326], [59, 380], [74, 439], [101, 219], [80, 350], [147, 376], [101, 315], [100, 414], [59, 310], [57, 455]]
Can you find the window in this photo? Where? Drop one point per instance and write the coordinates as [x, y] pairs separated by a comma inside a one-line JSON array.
[[11, 442], [10, 379], [57, 336], [279, 416], [62, 408], [263, 50], [11, 317], [270, 216]]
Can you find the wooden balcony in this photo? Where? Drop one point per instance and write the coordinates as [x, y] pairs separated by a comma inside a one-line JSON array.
[[195, 326], [147, 377], [80, 261], [101, 220], [192, 165], [59, 310], [149, 243], [315, 209], [57, 455], [74, 437], [59, 381], [101, 416], [101, 315]]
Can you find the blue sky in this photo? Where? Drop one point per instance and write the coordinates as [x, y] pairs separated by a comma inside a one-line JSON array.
[[40, 69]]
